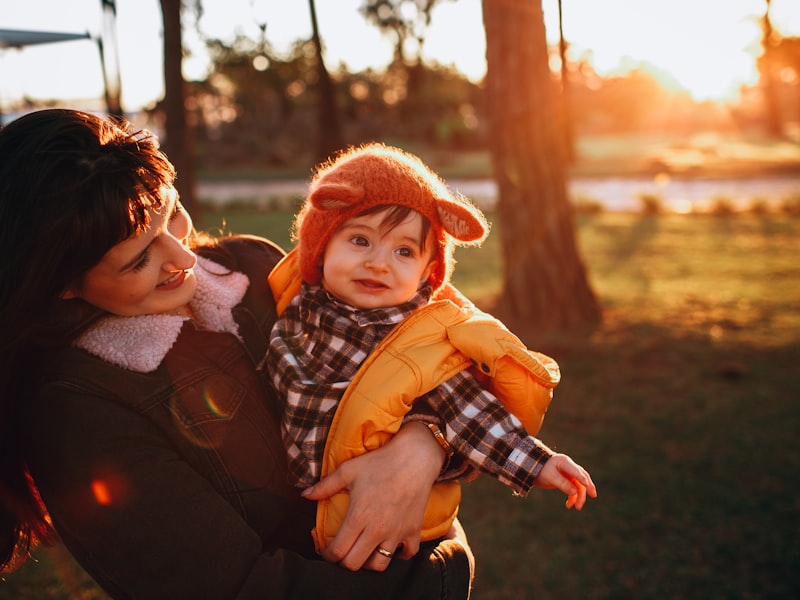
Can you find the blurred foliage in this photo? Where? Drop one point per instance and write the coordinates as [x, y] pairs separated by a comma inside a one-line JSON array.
[[247, 116], [257, 107], [406, 22]]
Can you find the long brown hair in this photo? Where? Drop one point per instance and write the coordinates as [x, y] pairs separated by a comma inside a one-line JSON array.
[[72, 186]]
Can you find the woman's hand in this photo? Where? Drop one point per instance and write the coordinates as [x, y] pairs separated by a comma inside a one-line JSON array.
[[389, 490]]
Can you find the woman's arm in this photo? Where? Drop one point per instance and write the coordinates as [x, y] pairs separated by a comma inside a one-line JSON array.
[[144, 523], [389, 490]]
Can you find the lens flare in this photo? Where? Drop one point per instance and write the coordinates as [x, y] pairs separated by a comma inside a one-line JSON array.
[[101, 492]]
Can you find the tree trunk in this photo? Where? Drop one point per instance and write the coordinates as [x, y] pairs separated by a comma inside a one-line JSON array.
[[109, 59], [330, 137], [544, 280], [178, 144], [771, 103], [566, 93]]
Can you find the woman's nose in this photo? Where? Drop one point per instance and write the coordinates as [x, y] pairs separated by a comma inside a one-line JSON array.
[[180, 257]]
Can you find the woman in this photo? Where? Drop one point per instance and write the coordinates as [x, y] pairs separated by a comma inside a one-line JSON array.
[[134, 423]]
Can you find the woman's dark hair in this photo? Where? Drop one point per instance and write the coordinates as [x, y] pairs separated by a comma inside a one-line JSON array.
[[72, 186]]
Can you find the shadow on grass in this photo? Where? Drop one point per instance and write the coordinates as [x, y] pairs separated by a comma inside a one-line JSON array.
[[691, 440]]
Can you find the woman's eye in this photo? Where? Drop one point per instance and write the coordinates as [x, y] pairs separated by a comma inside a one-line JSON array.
[[145, 260]]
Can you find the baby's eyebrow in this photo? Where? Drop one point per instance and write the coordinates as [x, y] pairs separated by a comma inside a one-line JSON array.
[[412, 240], [357, 227]]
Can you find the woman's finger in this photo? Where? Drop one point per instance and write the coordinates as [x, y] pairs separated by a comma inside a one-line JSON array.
[[327, 486]]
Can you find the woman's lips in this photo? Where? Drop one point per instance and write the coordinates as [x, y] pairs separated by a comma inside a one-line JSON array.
[[172, 283]]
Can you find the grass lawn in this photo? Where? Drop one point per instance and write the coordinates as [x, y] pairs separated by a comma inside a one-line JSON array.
[[682, 404]]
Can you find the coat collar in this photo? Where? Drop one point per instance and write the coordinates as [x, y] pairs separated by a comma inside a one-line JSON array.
[[140, 343]]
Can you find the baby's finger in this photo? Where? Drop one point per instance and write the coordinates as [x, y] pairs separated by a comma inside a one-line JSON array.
[[586, 480], [571, 500], [574, 498], [580, 498]]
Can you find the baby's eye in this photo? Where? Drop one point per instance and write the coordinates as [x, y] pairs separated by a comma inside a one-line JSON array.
[[405, 252], [359, 240]]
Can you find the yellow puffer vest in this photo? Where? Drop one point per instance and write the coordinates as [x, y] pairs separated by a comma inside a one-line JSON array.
[[436, 342]]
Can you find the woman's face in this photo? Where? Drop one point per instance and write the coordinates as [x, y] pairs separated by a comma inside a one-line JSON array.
[[148, 273]]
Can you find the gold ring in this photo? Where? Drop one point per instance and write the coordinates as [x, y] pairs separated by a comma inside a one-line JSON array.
[[384, 552]]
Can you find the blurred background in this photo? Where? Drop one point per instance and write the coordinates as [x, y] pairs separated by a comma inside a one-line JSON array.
[[640, 163], [686, 75]]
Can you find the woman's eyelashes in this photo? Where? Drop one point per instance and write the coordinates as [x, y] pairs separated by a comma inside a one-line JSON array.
[[143, 262]]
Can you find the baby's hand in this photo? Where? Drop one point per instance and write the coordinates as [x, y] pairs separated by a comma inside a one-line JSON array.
[[560, 472]]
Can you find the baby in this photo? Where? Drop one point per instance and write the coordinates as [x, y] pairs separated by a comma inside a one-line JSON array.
[[371, 334]]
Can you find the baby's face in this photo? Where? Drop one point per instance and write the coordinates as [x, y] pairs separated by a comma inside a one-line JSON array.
[[367, 266]]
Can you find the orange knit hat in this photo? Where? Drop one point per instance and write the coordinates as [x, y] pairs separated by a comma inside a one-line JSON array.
[[375, 174]]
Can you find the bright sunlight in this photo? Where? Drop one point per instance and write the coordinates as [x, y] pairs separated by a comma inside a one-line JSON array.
[[706, 47]]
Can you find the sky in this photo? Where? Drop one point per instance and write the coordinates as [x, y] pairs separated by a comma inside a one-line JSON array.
[[707, 47]]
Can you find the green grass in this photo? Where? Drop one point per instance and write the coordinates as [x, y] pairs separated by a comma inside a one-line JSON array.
[[682, 404]]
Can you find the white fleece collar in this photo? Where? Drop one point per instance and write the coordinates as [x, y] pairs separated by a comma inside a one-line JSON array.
[[140, 343]]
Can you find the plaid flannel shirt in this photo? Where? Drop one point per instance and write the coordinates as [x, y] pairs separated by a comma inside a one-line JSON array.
[[316, 348]]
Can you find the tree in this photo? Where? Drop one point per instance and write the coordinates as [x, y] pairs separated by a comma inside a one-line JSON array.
[[544, 280], [178, 144], [768, 41], [109, 58], [329, 136], [566, 92], [407, 21]]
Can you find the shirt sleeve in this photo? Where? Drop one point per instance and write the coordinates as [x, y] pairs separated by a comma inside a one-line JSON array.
[[485, 434]]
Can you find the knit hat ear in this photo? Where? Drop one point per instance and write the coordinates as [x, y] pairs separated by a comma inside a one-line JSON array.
[[332, 196], [375, 175], [461, 220], [458, 218]]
